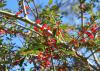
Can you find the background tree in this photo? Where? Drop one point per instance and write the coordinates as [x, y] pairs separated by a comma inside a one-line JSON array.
[[45, 40]]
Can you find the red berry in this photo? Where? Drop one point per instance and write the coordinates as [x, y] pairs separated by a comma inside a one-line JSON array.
[[55, 57], [90, 35], [46, 33], [58, 32], [93, 30], [79, 33], [21, 11], [52, 49], [63, 35], [49, 43], [58, 22], [44, 26], [48, 28], [38, 21], [83, 40], [53, 40], [18, 13], [94, 25], [48, 62], [88, 23], [35, 28], [27, 7], [50, 55], [27, 12]]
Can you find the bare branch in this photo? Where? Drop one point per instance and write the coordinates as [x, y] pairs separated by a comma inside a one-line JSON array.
[[31, 9], [24, 9], [95, 60], [23, 19], [35, 8]]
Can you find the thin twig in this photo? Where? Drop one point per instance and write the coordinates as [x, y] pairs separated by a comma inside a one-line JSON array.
[[23, 19], [24, 9], [31, 9], [29, 29], [95, 59], [82, 20], [52, 63], [35, 7]]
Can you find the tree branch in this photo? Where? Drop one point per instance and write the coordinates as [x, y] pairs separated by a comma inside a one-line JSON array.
[[35, 8], [31, 9], [24, 9], [22, 19], [95, 60]]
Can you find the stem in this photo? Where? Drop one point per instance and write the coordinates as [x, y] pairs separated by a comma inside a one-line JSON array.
[[82, 20], [31, 9], [52, 64], [23, 19], [95, 60], [35, 8], [24, 9], [29, 29]]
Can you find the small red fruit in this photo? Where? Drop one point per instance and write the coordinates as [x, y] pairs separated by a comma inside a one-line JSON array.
[[57, 23], [88, 23], [48, 28], [90, 35], [27, 7], [18, 13], [83, 40], [93, 30], [38, 21], [44, 26], [53, 40], [27, 13], [35, 28]]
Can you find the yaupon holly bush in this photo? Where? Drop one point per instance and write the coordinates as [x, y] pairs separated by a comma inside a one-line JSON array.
[[46, 42]]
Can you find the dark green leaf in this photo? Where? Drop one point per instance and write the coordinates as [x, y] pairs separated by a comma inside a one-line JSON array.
[[55, 8], [21, 62], [2, 5]]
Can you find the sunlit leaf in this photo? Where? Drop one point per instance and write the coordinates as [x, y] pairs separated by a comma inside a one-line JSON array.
[[50, 2]]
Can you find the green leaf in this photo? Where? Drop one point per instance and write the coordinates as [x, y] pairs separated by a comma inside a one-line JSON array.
[[70, 52], [50, 2], [63, 26], [54, 31], [31, 69], [4, 62], [21, 62], [58, 42], [2, 5], [55, 8], [1, 41]]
